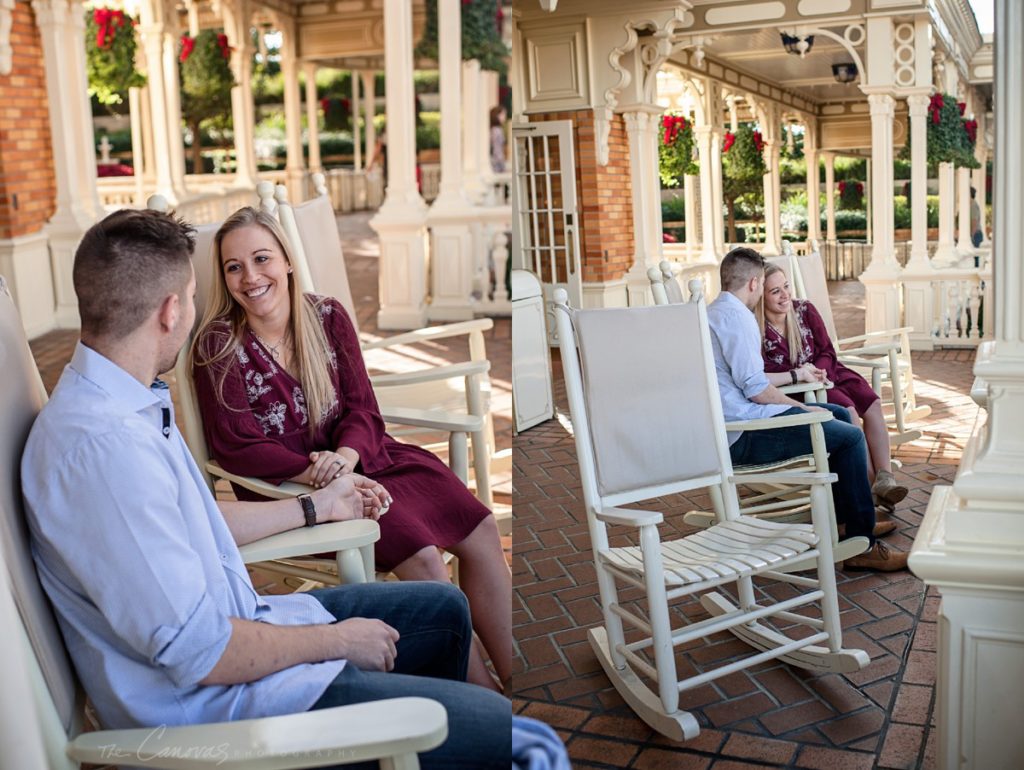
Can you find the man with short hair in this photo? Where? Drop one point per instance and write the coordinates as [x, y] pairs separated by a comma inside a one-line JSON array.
[[747, 394], [142, 565]]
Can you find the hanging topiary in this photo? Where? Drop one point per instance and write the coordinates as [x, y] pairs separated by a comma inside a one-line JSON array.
[[481, 34], [337, 113], [745, 149], [951, 138], [206, 83], [675, 150], [110, 55], [851, 195]]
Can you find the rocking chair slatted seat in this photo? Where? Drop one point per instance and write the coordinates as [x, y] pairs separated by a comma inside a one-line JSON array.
[[647, 421], [787, 498]]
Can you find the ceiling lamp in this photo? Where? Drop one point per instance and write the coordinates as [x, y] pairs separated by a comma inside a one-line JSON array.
[[798, 44], [845, 72]]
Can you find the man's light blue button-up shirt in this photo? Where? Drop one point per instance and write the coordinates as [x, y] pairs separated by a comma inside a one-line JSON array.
[[736, 342], [139, 563]]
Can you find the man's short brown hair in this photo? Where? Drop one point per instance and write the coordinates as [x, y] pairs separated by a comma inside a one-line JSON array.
[[125, 266], [739, 266]]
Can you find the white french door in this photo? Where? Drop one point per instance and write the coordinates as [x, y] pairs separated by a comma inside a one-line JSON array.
[[545, 236]]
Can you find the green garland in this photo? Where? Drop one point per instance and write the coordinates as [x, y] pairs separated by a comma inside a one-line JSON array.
[[481, 38], [675, 150], [110, 55]]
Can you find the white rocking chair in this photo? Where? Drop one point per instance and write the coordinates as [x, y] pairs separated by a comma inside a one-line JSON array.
[[42, 704], [648, 422]]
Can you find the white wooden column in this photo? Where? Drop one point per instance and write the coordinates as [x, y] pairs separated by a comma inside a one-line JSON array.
[[963, 183], [690, 182], [357, 140], [918, 275], [642, 132], [717, 195], [453, 263], [970, 541], [295, 165], [881, 278], [945, 252], [236, 27], [152, 34], [472, 95], [400, 221], [772, 194], [702, 136], [830, 195], [813, 180], [370, 97], [313, 118], [172, 93]]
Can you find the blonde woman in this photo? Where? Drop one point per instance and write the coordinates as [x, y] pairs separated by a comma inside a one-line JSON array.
[[285, 396], [796, 346]]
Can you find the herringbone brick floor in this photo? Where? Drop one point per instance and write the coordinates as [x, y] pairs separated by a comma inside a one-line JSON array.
[[772, 715]]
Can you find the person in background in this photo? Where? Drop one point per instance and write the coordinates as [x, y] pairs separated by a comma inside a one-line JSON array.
[[498, 139], [977, 236]]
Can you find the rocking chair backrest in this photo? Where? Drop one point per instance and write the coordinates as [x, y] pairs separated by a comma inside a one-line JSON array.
[[46, 657], [644, 399], [672, 288], [813, 286]]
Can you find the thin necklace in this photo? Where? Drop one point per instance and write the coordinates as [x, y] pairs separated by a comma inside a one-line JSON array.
[[273, 348]]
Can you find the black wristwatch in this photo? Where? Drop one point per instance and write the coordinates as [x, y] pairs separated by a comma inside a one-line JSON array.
[[308, 510], [792, 374]]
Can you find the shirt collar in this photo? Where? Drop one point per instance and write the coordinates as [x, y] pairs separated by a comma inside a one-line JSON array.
[[115, 381], [730, 298]]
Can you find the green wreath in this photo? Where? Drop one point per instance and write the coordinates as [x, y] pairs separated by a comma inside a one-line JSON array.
[[675, 150], [951, 137], [110, 55]]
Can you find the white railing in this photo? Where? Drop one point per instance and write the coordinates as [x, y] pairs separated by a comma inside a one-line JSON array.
[[686, 267], [490, 232], [355, 190], [963, 307], [430, 180], [215, 206]]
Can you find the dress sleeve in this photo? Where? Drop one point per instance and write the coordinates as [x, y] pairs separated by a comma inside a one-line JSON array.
[[824, 355], [233, 434], [361, 425]]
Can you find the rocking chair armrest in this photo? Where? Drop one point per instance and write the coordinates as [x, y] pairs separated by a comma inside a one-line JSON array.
[[876, 335], [808, 418], [805, 387], [465, 369], [303, 541], [781, 477], [870, 363], [364, 731], [434, 419], [432, 333], [277, 492], [870, 350], [629, 518]]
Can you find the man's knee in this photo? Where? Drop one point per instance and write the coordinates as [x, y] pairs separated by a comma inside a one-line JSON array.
[[839, 412]]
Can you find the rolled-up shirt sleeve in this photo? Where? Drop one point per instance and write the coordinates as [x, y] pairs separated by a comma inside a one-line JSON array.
[[741, 350], [172, 621]]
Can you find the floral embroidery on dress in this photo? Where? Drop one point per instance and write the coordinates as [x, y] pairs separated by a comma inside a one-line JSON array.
[[255, 385], [325, 309], [299, 399], [263, 354], [243, 357], [273, 418], [772, 348], [806, 335]]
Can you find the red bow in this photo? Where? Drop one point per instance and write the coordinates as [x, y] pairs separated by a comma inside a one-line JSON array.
[[961, 106], [758, 141], [730, 140], [935, 105], [971, 127], [842, 187], [673, 125], [187, 44], [225, 49], [107, 22]]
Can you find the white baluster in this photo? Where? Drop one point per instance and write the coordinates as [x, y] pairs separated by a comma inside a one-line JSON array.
[[973, 303], [500, 255]]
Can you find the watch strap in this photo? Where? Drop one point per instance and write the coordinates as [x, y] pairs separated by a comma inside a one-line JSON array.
[[308, 509]]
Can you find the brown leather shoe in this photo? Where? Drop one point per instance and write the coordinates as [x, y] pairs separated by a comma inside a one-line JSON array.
[[883, 528], [886, 489], [879, 558]]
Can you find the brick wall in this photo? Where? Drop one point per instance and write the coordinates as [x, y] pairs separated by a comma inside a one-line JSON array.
[[27, 186], [604, 197]]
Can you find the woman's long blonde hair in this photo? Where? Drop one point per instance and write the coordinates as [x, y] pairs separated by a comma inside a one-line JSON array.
[[311, 347], [792, 331]]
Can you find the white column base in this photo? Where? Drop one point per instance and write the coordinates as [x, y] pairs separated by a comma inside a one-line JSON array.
[[882, 296], [980, 639], [403, 266], [606, 294], [452, 266], [638, 287], [25, 262]]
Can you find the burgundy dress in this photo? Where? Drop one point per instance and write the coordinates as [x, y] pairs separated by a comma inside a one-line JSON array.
[[851, 390], [264, 432]]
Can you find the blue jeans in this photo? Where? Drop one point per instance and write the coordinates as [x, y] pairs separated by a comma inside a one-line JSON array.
[[433, 622], [847, 458]]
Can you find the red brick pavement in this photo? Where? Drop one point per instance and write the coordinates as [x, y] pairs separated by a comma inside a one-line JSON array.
[[771, 715]]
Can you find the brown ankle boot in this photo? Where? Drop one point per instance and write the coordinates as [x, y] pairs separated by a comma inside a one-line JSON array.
[[886, 489], [879, 558]]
